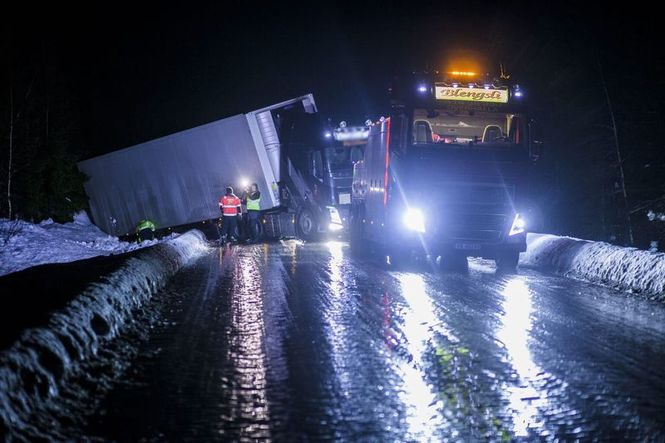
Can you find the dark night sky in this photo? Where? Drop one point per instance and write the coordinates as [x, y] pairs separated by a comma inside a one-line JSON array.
[[120, 73], [142, 71]]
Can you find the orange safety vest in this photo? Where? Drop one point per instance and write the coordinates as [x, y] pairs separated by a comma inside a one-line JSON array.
[[230, 205]]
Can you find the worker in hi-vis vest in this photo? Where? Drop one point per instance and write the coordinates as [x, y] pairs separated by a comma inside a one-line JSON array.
[[145, 230], [229, 204], [253, 211]]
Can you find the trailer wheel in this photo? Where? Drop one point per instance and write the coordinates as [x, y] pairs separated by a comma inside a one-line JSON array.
[[507, 262], [306, 224]]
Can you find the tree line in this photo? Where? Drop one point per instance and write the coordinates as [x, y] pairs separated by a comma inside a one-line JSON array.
[[40, 129]]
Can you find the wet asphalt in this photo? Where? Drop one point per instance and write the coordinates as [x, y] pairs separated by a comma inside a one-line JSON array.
[[296, 341]]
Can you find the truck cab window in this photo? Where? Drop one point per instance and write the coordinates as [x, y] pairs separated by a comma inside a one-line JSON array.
[[357, 154], [338, 157], [491, 129]]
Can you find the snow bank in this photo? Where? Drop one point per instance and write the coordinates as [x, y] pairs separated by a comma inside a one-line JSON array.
[[625, 268], [32, 370], [24, 244]]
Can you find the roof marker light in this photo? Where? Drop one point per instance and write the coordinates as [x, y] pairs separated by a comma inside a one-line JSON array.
[[463, 73]]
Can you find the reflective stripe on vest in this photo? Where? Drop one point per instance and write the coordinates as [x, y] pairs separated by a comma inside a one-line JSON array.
[[230, 205], [253, 205]]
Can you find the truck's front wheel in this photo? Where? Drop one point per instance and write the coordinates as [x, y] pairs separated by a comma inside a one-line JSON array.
[[306, 223]]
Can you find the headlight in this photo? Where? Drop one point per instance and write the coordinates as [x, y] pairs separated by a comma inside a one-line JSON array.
[[519, 225], [414, 220], [335, 227], [335, 219]]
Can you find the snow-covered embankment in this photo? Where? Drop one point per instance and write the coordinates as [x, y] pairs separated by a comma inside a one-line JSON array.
[[24, 244], [625, 268], [36, 365]]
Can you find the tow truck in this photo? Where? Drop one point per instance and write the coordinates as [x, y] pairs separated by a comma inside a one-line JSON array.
[[445, 174]]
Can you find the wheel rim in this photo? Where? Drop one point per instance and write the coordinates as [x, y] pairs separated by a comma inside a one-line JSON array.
[[306, 223]]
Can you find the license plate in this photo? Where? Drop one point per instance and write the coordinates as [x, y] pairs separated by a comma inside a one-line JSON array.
[[344, 199], [467, 246]]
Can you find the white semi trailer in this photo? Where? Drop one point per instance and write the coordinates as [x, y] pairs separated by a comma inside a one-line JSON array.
[[178, 179]]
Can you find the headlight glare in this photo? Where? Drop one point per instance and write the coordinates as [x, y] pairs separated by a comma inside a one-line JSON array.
[[334, 215], [335, 227], [335, 220], [519, 225], [414, 220]]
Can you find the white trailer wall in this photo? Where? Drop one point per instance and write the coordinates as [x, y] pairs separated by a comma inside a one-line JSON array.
[[177, 179]]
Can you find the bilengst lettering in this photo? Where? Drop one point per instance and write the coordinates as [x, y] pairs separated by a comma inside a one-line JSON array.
[[475, 95], [471, 94]]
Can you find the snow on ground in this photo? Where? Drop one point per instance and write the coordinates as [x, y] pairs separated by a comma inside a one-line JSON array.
[[35, 366], [49, 242], [625, 268]]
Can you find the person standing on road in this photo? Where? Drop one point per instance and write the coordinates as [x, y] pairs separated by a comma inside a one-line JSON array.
[[229, 204], [243, 227], [253, 212]]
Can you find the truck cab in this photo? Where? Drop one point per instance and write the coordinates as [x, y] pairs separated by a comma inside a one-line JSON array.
[[446, 173], [318, 165], [331, 165]]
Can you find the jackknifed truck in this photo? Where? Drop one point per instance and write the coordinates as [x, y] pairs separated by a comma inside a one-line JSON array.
[[178, 179]]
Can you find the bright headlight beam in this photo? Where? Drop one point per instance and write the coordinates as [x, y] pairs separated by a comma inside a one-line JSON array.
[[334, 215], [414, 220], [335, 220], [518, 226]]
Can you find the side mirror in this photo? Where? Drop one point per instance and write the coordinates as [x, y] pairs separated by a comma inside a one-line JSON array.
[[536, 144]]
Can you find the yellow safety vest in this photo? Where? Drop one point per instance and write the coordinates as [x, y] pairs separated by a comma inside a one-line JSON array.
[[253, 205]]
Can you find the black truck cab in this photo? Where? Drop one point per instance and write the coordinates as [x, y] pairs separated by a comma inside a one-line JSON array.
[[446, 173]]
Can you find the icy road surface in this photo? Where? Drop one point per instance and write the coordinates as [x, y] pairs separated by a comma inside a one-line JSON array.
[[307, 342]]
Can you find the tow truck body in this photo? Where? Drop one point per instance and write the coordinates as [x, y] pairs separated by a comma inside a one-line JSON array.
[[446, 173]]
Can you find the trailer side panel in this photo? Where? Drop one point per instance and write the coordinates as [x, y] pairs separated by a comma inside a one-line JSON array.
[[174, 180]]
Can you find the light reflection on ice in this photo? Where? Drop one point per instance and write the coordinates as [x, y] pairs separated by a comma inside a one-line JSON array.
[[291, 247], [249, 400], [335, 315], [422, 404], [337, 255], [524, 397]]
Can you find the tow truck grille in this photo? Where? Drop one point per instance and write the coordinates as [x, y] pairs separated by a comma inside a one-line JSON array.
[[478, 194], [475, 227], [476, 213]]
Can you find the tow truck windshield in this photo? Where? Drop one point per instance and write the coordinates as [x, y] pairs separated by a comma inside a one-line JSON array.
[[344, 156], [472, 128]]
